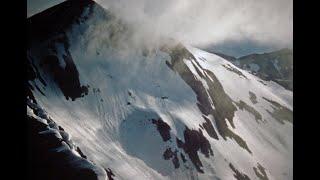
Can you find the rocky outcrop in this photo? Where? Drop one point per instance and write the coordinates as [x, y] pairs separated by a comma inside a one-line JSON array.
[[237, 174], [51, 152], [163, 128], [224, 107], [194, 142]]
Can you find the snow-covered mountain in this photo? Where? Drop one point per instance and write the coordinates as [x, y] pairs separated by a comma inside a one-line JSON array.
[[274, 66], [140, 111]]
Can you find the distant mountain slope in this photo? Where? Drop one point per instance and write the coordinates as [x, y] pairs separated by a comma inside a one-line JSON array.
[[167, 111], [276, 66]]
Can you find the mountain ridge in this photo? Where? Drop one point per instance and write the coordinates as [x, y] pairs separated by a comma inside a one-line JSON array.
[[266, 66]]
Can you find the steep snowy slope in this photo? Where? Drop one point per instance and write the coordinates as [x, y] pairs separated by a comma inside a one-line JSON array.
[[160, 111]]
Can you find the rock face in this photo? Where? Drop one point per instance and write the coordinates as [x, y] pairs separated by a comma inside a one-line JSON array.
[[238, 175], [224, 107], [101, 105], [67, 78], [55, 59], [194, 142], [163, 128]]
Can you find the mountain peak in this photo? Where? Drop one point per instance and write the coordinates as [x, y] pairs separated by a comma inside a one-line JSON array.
[[169, 112]]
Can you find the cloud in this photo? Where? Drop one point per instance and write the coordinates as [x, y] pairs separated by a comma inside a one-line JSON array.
[[204, 22]]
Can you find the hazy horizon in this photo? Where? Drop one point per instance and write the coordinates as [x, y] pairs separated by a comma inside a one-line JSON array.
[[233, 27]]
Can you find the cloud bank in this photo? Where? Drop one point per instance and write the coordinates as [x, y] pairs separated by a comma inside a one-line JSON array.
[[204, 22]]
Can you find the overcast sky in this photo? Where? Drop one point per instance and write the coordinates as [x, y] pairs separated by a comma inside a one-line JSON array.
[[235, 26]]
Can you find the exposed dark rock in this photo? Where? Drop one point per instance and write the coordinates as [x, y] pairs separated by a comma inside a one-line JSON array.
[[131, 95], [280, 113], [109, 174], [237, 174], [175, 161], [260, 172], [163, 128], [197, 69], [33, 72], [253, 97], [30, 94], [169, 154], [230, 68], [61, 128], [209, 128], [39, 89], [262, 82], [242, 105], [30, 71], [183, 158], [179, 143], [224, 107], [66, 78], [164, 97], [81, 153], [195, 141], [96, 90]]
